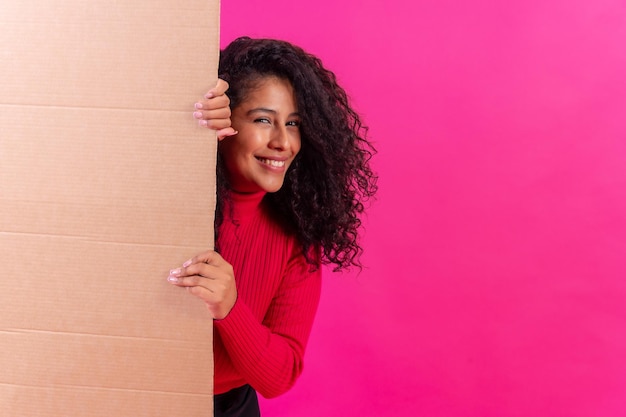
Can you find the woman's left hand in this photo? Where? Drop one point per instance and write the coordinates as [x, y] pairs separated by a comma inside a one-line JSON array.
[[213, 111], [209, 277]]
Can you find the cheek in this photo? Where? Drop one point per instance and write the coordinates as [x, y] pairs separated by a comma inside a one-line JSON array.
[[236, 146]]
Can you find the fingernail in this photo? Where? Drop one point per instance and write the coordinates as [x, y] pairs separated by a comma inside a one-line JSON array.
[[172, 279], [187, 263], [233, 134], [197, 114], [175, 271], [198, 105], [208, 95], [203, 123]]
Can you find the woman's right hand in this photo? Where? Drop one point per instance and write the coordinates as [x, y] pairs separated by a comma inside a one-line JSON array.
[[213, 111], [209, 277]]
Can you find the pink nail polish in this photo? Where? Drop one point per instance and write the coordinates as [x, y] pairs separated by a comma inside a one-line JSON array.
[[172, 279], [187, 263], [175, 271], [197, 114], [198, 105], [208, 95]]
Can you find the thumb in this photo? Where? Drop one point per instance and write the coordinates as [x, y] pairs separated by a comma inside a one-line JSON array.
[[208, 257]]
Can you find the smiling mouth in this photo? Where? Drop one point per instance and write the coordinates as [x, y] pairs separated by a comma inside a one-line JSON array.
[[272, 162]]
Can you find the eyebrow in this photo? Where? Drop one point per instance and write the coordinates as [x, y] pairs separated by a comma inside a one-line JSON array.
[[266, 110]]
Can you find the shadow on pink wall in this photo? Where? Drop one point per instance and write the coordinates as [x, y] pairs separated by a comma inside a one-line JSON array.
[[496, 250]]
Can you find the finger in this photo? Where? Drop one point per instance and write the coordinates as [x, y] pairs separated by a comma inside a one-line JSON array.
[[197, 259], [224, 133], [214, 103], [219, 89], [209, 257], [214, 124], [191, 281], [184, 280], [218, 114], [196, 273], [211, 272]]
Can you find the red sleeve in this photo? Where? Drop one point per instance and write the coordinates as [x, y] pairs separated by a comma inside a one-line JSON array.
[[269, 355]]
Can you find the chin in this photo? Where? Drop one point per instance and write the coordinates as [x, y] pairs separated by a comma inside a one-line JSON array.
[[272, 188]]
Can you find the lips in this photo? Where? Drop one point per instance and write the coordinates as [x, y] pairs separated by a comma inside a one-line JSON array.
[[274, 163]]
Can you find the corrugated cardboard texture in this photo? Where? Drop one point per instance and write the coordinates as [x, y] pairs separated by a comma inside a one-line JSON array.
[[106, 183]]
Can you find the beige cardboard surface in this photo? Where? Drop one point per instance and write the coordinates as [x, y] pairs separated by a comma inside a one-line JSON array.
[[106, 183]]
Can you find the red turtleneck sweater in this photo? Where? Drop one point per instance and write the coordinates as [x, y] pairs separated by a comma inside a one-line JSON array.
[[262, 340]]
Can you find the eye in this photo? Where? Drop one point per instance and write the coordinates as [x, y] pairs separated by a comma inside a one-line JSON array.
[[262, 120], [295, 123]]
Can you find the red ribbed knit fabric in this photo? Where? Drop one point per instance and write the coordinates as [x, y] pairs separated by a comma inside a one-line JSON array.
[[262, 340]]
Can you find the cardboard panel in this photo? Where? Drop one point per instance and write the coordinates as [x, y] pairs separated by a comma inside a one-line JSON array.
[[106, 183]]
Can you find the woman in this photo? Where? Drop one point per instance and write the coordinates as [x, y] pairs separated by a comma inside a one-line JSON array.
[[292, 175]]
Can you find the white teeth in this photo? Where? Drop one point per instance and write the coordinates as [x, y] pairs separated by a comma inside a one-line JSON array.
[[273, 163]]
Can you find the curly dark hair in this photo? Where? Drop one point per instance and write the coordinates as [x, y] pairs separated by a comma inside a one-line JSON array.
[[330, 179]]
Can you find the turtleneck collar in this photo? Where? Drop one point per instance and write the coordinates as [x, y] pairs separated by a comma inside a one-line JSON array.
[[241, 206]]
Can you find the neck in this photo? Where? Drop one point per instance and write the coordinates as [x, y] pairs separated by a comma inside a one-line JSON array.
[[242, 205]]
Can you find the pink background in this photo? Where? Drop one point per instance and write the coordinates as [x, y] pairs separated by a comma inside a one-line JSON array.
[[496, 250]]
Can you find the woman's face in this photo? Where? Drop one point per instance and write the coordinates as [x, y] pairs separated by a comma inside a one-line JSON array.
[[258, 157]]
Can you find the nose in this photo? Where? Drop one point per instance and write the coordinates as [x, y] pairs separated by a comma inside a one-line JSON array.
[[280, 140]]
